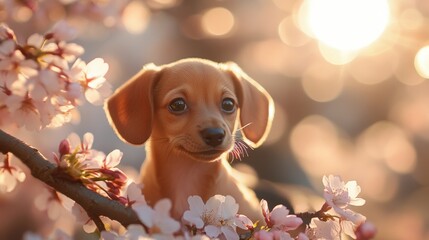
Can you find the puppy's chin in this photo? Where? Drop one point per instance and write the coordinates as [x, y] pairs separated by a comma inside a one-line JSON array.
[[210, 155]]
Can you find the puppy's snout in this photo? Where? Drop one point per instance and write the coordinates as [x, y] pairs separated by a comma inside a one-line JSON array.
[[213, 136]]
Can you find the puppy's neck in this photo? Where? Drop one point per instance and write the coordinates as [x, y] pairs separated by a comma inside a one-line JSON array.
[[177, 177]]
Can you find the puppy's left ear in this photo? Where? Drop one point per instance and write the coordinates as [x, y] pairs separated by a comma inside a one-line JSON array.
[[130, 110], [255, 103]]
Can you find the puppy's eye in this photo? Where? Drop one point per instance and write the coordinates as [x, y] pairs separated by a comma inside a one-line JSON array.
[[177, 106], [228, 105]]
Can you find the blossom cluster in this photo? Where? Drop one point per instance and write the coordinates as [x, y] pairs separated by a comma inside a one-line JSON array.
[[43, 80], [216, 218], [93, 168]]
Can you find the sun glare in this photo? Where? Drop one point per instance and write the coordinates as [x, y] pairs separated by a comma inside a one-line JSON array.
[[347, 25]]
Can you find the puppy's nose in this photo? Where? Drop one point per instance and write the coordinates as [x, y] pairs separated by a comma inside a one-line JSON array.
[[213, 136]]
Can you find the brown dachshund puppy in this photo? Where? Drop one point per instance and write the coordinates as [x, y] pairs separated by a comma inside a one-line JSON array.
[[188, 113]]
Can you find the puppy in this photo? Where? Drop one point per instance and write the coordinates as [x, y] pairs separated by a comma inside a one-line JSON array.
[[188, 113]]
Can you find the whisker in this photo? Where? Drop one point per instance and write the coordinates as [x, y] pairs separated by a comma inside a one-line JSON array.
[[242, 127], [240, 148]]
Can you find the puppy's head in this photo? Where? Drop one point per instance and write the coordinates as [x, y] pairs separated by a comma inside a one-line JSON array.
[[191, 107]]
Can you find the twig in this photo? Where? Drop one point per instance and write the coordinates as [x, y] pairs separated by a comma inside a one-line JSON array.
[[93, 203]]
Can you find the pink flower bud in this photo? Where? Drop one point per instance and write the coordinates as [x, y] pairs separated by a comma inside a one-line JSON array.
[[64, 147], [366, 231]]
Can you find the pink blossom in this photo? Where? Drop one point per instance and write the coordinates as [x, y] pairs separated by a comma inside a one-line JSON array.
[[53, 202], [82, 218], [62, 31], [36, 40], [279, 218], [24, 112], [157, 219], [62, 50], [324, 230], [43, 85], [135, 195], [218, 216], [55, 235], [96, 87], [37, 88], [340, 194], [365, 231], [272, 235], [9, 175], [13, 60], [6, 32], [133, 232], [112, 159]]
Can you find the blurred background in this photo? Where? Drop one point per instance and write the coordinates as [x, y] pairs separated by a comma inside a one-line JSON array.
[[349, 78]]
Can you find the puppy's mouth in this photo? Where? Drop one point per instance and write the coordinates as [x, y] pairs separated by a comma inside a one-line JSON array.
[[205, 155]]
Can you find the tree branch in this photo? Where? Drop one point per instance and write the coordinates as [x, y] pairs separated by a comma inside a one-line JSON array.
[[93, 203]]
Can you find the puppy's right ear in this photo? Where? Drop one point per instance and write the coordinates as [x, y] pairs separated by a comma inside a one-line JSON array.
[[130, 109]]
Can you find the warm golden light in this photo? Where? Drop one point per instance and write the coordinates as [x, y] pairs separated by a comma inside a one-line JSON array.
[[322, 82], [22, 14], [347, 24], [335, 56], [374, 69], [135, 17], [218, 21], [387, 142], [315, 141], [421, 62], [290, 34]]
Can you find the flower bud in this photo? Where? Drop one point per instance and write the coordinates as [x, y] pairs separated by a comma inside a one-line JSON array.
[[366, 231], [64, 147]]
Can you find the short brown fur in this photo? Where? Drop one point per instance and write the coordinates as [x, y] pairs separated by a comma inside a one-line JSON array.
[[179, 162]]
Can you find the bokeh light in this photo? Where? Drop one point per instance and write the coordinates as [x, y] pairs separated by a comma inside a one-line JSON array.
[[322, 82], [387, 142], [218, 21], [290, 34], [136, 17], [347, 24], [421, 62], [380, 68]]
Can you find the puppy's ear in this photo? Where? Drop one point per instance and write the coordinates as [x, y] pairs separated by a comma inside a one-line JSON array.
[[129, 109], [255, 103]]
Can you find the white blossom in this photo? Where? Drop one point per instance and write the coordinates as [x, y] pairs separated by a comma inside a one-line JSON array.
[[157, 219], [279, 218], [217, 217], [10, 175]]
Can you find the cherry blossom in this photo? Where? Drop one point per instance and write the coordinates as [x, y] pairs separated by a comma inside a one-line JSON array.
[[53, 202], [62, 31], [324, 230], [158, 219], [96, 87], [133, 232], [82, 218], [279, 218], [57, 234], [9, 175], [218, 216], [93, 168], [340, 194], [40, 89], [365, 231], [134, 195], [272, 235]]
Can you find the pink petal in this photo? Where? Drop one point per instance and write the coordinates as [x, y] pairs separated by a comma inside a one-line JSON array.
[[212, 231], [113, 158], [229, 233], [88, 140]]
